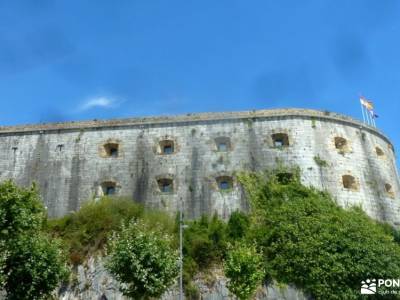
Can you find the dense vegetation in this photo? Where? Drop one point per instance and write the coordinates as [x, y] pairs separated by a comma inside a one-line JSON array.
[[309, 241], [293, 235], [86, 231]]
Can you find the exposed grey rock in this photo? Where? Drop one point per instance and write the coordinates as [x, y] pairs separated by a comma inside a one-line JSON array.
[[92, 281]]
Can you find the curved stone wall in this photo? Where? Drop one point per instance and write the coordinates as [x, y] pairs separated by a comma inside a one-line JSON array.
[[159, 161]]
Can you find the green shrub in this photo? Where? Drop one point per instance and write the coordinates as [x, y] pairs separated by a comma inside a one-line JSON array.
[[34, 268], [143, 260], [309, 241], [395, 233], [238, 225], [31, 265], [21, 210], [244, 269], [205, 241]]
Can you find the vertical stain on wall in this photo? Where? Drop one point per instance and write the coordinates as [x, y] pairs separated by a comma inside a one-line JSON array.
[[253, 146], [205, 198], [142, 170], [74, 181], [193, 200], [37, 169]]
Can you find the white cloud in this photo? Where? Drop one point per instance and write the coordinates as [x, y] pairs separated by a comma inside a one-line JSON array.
[[102, 102]]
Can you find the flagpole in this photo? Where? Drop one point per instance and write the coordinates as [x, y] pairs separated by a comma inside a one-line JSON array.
[[367, 109], [368, 118], [362, 111], [371, 114]]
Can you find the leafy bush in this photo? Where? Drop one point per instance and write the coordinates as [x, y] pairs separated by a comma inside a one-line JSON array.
[[34, 268], [392, 231], [143, 260], [309, 241], [238, 225], [20, 210], [204, 242], [31, 265], [244, 268]]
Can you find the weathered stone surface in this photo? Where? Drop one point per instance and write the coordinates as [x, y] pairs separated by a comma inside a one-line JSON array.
[[66, 160], [93, 282]]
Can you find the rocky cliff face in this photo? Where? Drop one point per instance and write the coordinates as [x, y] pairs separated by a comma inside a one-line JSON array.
[[91, 281]]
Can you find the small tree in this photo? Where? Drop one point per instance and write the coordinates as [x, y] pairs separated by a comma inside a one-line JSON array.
[[21, 210], [143, 261], [34, 268], [243, 267], [30, 264]]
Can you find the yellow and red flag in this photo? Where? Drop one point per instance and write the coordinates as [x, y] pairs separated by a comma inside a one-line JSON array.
[[366, 103]]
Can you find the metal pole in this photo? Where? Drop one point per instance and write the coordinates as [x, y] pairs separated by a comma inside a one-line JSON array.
[[362, 111], [369, 122], [371, 117], [180, 250]]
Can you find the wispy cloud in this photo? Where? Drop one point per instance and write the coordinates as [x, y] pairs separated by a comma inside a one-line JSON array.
[[99, 102]]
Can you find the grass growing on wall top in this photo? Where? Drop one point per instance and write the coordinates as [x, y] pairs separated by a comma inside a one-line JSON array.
[[85, 232]]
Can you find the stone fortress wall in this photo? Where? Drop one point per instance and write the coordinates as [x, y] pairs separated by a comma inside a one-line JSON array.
[[161, 160]]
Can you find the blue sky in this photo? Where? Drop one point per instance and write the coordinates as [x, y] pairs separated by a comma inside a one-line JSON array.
[[75, 60]]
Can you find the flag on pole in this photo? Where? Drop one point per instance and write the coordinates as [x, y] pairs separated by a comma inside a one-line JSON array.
[[366, 103], [373, 114], [368, 107]]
